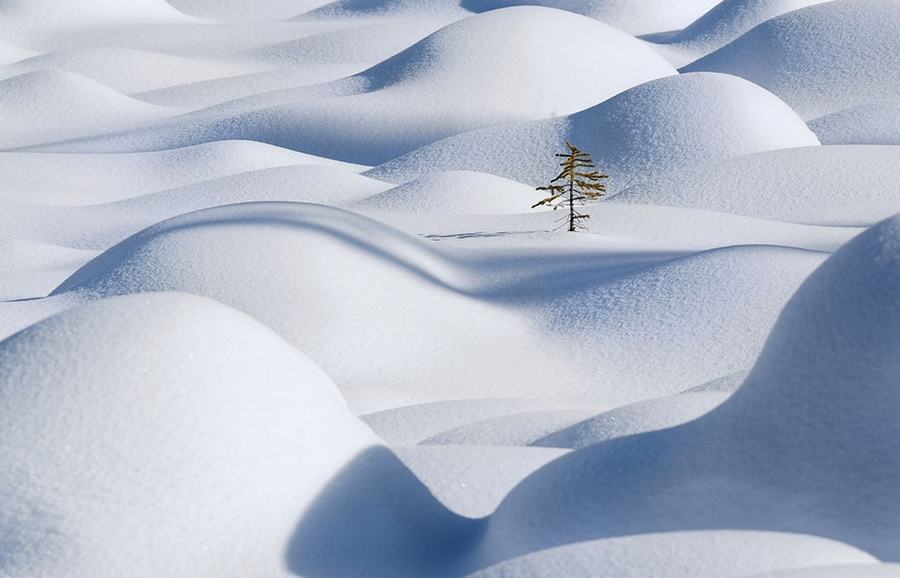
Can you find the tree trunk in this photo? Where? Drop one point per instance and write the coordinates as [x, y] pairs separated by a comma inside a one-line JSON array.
[[571, 206]]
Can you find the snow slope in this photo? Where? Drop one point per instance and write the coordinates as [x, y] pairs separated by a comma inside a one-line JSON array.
[[100, 226], [839, 185], [426, 92], [129, 70], [871, 123], [50, 102], [820, 59], [42, 13], [11, 53], [223, 253], [453, 192], [68, 179], [246, 9], [651, 415], [204, 374], [634, 17], [675, 554], [670, 123], [209, 421], [729, 20], [815, 417]]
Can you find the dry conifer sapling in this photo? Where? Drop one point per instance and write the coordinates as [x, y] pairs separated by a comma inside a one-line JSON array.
[[579, 181]]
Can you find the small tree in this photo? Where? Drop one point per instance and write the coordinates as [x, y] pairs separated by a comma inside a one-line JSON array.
[[579, 181]]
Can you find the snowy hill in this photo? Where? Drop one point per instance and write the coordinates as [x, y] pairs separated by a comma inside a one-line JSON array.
[[278, 296], [664, 124], [820, 59]]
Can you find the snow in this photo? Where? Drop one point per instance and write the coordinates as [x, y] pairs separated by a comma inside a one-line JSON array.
[[698, 553], [412, 424], [838, 571], [836, 185], [274, 301], [666, 124], [815, 415], [43, 13], [518, 429], [393, 107], [10, 53], [819, 59], [129, 71], [651, 415], [246, 9], [727, 21], [31, 268], [63, 179], [473, 480], [64, 103], [453, 192], [404, 277], [190, 393], [870, 123]]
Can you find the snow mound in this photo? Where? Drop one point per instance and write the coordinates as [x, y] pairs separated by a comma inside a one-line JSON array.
[[316, 257], [680, 554], [730, 19], [129, 70], [431, 9], [161, 434], [454, 192], [69, 179], [644, 416], [244, 10], [848, 375], [480, 71], [835, 185], [409, 425], [633, 16], [817, 415], [724, 384], [838, 571], [708, 314], [10, 53], [29, 268], [820, 59], [100, 226], [873, 123], [518, 429], [40, 13], [641, 16], [473, 480], [50, 104], [669, 123]]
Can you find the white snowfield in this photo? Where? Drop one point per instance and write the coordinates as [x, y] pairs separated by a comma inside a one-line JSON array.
[[274, 301]]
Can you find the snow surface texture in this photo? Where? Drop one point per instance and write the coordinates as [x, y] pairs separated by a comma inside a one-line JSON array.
[[820, 59], [273, 301], [667, 124]]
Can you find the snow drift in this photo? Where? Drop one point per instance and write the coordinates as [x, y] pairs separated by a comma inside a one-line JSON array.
[[50, 104], [484, 70], [730, 19], [871, 123], [66, 179], [313, 258], [820, 59], [678, 554], [453, 192], [669, 123], [161, 434], [815, 418], [834, 185]]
